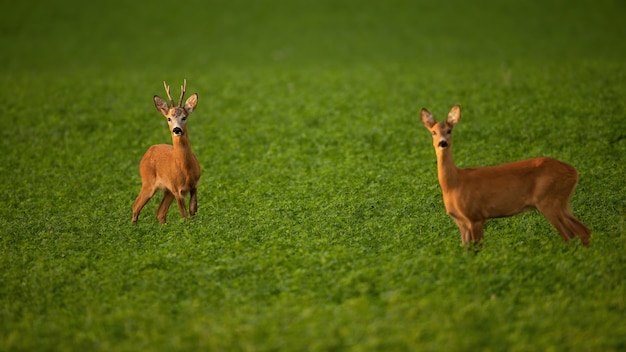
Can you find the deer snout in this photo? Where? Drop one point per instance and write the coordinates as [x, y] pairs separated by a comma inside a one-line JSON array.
[[443, 144], [177, 131]]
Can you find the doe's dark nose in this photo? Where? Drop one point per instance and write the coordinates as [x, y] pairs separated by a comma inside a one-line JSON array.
[[177, 131], [443, 144]]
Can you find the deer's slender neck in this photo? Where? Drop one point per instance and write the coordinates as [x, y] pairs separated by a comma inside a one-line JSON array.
[[182, 147], [447, 172]]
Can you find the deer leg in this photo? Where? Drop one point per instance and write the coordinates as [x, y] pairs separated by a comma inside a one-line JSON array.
[[477, 232], [180, 199], [144, 196], [579, 229], [559, 221], [193, 201], [464, 228], [168, 197]]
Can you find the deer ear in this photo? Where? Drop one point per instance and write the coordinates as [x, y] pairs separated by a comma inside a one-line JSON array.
[[454, 116], [191, 103], [427, 118], [161, 105]]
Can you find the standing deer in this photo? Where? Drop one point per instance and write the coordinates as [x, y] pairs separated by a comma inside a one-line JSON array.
[[473, 195], [174, 169]]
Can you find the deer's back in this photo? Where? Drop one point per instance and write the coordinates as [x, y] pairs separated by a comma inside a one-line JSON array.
[[507, 189], [542, 168]]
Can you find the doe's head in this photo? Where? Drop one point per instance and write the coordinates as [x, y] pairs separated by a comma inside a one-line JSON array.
[[441, 131], [176, 115]]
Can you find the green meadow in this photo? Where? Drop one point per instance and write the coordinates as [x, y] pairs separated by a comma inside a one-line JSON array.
[[321, 224]]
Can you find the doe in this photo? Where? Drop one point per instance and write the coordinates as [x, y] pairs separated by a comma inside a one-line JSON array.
[[174, 169], [473, 195]]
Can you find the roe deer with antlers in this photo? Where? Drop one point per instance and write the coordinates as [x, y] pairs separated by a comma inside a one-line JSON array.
[[473, 195], [174, 169]]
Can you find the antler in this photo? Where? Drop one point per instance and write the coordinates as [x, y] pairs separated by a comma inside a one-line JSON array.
[[183, 88], [167, 90]]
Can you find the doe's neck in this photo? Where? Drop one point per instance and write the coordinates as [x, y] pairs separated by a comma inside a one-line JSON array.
[[447, 171]]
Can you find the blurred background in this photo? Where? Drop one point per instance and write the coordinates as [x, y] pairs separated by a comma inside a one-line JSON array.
[[196, 36]]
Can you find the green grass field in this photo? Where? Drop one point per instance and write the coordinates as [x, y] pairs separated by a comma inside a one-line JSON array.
[[321, 224]]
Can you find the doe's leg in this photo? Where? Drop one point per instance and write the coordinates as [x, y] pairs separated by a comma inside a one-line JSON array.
[[464, 228], [477, 232], [579, 229], [557, 218]]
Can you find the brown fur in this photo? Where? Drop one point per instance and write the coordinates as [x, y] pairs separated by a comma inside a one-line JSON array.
[[173, 169], [473, 195]]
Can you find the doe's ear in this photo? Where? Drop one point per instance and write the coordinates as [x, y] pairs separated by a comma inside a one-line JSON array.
[[161, 105], [427, 118], [454, 116], [191, 103]]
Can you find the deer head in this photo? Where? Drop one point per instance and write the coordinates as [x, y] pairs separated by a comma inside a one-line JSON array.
[[441, 131], [176, 114]]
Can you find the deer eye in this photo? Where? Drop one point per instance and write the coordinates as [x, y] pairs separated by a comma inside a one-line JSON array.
[[449, 132], [169, 119], [185, 118]]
